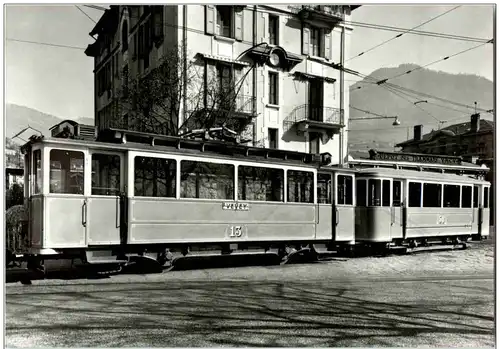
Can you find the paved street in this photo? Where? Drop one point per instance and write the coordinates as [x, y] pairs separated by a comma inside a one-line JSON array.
[[333, 303]]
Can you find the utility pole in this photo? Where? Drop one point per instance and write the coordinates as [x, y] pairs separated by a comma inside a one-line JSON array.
[[342, 58]]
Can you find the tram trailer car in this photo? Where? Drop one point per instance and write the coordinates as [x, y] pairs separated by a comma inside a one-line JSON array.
[[106, 202], [400, 208]]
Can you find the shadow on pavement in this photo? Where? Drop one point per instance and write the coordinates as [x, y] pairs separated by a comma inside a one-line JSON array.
[[221, 313]]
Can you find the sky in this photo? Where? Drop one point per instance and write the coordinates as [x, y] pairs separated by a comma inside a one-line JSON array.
[[59, 81]]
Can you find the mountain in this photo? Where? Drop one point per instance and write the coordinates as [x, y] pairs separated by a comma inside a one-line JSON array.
[[18, 117], [380, 134]]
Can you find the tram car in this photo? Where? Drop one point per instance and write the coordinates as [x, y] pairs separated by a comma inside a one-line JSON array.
[[128, 195], [131, 194], [408, 203]]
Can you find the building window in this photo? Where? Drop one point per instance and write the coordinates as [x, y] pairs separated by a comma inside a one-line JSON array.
[[224, 79], [273, 138], [273, 88], [315, 42], [314, 141], [224, 20], [125, 36], [273, 30]]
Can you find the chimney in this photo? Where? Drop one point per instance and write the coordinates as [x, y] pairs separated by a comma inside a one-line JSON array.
[[474, 122], [417, 132]]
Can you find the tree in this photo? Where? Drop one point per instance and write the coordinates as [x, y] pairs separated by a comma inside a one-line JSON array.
[[14, 195], [209, 93]]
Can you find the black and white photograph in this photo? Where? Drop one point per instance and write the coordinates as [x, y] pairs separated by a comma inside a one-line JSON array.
[[249, 175]]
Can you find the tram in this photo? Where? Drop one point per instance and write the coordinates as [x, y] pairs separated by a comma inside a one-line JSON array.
[[404, 204], [129, 195]]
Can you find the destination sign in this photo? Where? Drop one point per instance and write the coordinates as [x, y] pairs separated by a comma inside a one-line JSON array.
[[235, 206], [421, 158]]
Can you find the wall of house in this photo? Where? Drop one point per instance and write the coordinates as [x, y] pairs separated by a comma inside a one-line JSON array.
[[293, 92]]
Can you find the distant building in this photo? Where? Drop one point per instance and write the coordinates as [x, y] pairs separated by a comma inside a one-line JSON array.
[[287, 58], [472, 140], [13, 176]]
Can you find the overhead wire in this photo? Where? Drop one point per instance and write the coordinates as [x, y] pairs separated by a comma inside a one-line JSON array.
[[401, 34], [46, 44], [428, 64], [82, 11]]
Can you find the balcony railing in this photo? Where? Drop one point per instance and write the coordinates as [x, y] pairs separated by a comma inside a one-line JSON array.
[[240, 106], [318, 116], [329, 14]]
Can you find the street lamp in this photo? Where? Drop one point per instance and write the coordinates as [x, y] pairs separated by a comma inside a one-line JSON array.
[[395, 123]]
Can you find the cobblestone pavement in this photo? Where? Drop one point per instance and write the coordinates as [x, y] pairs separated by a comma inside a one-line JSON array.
[[479, 258]]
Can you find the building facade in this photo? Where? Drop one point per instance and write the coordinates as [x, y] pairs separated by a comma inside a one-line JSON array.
[[472, 140], [271, 73]]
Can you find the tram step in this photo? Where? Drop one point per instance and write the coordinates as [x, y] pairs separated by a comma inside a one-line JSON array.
[[106, 261]]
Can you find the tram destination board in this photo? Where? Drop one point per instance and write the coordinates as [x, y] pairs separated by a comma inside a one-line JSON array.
[[422, 158]]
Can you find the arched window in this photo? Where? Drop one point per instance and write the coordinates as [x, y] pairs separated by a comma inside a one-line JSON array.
[[125, 36]]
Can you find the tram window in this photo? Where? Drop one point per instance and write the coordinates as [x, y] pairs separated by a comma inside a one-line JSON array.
[[466, 196], [154, 177], [414, 194], [105, 174], [324, 188], [374, 193], [396, 193], [66, 172], [386, 192], [344, 190], [300, 186], [205, 180], [432, 195], [37, 166], [260, 184], [361, 192], [476, 196], [451, 197], [486, 197]]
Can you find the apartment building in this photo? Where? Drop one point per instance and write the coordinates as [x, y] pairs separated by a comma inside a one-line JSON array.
[[271, 73]]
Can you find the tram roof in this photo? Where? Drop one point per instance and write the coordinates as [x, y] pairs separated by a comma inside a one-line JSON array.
[[418, 175], [202, 149]]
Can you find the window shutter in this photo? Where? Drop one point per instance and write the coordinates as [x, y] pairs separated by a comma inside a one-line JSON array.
[[306, 39], [238, 24], [327, 37], [209, 19]]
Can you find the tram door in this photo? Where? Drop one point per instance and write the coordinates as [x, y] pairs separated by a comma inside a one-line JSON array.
[[344, 207], [397, 210], [102, 213], [480, 221], [325, 224]]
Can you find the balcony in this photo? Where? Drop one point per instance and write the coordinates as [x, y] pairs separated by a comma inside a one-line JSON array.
[[314, 118], [325, 15]]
